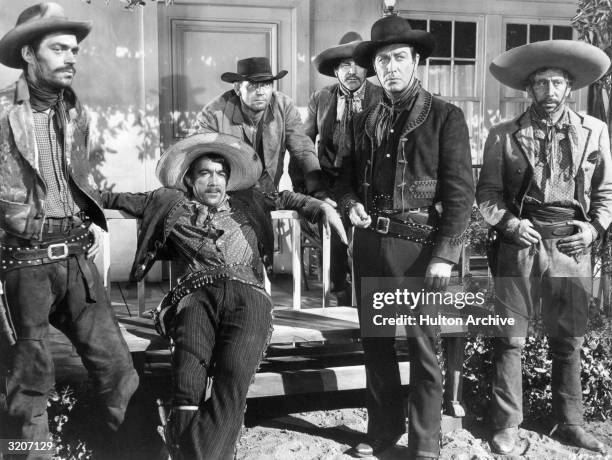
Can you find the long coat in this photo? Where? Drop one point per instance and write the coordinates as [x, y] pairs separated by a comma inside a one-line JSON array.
[[22, 188], [434, 166], [509, 157], [320, 121]]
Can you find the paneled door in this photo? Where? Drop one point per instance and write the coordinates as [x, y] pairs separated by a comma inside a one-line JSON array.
[[199, 40]]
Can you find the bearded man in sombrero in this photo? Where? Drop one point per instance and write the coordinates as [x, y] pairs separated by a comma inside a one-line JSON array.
[[209, 218], [546, 188]]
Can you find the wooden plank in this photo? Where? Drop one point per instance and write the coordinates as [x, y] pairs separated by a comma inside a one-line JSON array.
[[268, 384]]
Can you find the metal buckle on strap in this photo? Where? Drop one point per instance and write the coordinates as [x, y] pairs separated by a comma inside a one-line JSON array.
[[52, 254], [382, 224]]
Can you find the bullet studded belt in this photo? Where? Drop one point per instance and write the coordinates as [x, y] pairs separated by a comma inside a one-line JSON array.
[[405, 229], [165, 312], [44, 253]]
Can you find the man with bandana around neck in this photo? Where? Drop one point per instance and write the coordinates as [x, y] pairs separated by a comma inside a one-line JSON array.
[[546, 188], [330, 113], [407, 188], [50, 222]]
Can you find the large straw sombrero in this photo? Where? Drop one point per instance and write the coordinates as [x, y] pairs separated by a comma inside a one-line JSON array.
[[585, 63], [244, 163]]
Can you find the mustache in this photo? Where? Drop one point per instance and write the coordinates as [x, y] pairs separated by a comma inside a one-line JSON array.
[[66, 68], [213, 189]]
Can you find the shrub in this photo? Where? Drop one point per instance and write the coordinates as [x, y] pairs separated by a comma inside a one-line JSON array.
[[596, 378], [59, 406]]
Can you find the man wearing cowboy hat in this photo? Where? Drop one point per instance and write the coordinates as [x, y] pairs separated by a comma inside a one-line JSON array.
[[211, 219], [330, 112], [408, 190], [546, 188], [49, 206], [265, 119]]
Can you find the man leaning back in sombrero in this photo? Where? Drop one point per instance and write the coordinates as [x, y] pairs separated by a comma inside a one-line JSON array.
[[546, 188], [209, 217]]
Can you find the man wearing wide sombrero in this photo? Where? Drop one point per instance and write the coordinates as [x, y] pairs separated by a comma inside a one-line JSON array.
[[330, 112], [407, 188], [546, 188], [264, 118], [210, 219], [49, 208]]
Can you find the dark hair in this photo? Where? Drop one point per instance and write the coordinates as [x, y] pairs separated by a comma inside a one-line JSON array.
[[568, 76], [35, 45], [215, 157]]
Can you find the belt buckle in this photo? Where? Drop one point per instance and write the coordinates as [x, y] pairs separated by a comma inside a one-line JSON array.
[[52, 247], [382, 225]]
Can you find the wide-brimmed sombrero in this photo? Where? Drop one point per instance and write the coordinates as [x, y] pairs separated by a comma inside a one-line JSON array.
[[585, 63], [33, 22], [255, 69], [244, 163], [327, 61], [390, 30]]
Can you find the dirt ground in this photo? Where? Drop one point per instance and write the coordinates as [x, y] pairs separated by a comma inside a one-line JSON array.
[[329, 435]]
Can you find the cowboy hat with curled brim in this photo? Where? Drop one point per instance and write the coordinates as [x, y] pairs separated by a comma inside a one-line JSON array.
[[244, 164], [255, 69], [36, 21], [585, 63], [393, 30], [327, 61]]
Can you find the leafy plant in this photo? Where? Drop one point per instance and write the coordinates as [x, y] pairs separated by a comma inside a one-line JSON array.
[[59, 406]]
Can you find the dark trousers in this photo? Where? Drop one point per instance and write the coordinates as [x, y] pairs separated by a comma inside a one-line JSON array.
[[58, 293], [220, 331], [375, 255], [557, 287]]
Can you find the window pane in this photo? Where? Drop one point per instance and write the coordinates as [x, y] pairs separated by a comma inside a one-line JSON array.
[[439, 77], [442, 31], [465, 79], [516, 35], [471, 112], [465, 40], [511, 109], [562, 33], [419, 24], [538, 33]]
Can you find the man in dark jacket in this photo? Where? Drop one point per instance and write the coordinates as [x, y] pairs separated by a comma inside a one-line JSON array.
[[49, 209], [219, 315], [408, 190], [330, 113]]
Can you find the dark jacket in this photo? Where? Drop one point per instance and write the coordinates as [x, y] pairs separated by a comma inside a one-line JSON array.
[[282, 131], [22, 189], [160, 209], [320, 121], [434, 165]]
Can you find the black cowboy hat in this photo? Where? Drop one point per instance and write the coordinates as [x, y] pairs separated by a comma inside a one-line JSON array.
[[255, 69], [327, 61], [585, 63], [390, 30], [33, 22]]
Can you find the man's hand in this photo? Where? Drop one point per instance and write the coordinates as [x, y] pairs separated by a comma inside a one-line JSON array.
[[331, 202], [330, 216], [358, 216], [438, 274], [97, 233], [576, 244], [525, 235]]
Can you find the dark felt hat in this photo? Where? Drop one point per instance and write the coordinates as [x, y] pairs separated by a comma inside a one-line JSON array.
[[34, 22], [391, 30], [326, 61], [585, 63], [245, 166], [254, 69]]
